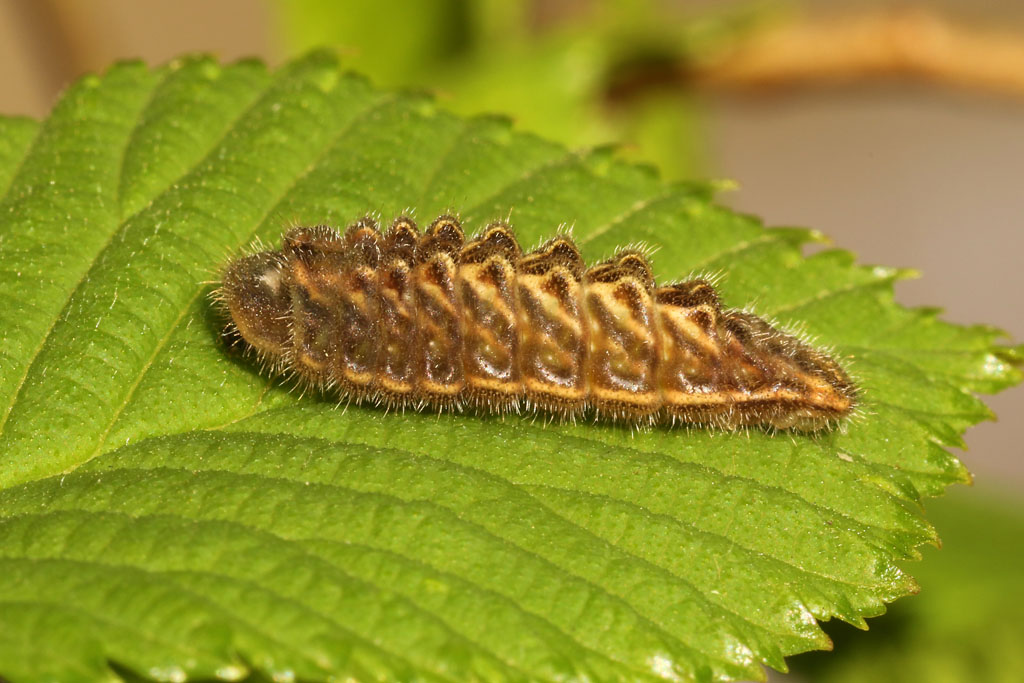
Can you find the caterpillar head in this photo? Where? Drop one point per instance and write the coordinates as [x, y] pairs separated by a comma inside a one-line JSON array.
[[257, 298]]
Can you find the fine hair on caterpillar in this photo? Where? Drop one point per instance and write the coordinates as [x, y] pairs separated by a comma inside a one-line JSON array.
[[430, 320]]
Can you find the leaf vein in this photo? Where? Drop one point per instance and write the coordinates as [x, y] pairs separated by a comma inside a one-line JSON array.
[[736, 249], [380, 101], [633, 210], [565, 159], [215, 606], [830, 293]]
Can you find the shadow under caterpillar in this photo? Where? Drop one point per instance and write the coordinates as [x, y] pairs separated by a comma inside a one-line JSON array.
[[410, 319]]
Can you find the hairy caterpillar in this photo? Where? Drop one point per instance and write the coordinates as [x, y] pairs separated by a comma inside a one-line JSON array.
[[429, 320]]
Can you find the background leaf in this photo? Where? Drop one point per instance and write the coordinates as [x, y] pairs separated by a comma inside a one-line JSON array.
[[166, 508]]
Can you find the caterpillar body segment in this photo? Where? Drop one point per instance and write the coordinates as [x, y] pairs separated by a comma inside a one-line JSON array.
[[431, 320]]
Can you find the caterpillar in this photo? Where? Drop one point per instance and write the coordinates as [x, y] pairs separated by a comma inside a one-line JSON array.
[[409, 319]]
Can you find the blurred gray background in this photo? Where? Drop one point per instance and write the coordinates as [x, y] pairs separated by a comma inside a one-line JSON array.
[[904, 176]]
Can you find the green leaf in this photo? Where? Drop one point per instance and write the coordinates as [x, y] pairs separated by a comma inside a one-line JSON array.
[[167, 509], [966, 625]]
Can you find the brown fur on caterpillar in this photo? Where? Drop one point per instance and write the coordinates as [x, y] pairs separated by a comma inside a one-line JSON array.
[[414, 319]]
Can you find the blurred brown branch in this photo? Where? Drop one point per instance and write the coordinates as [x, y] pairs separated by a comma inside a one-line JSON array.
[[913, 43]]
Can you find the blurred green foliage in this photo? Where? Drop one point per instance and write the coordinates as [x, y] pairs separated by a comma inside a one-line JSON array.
[[583, 74]]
